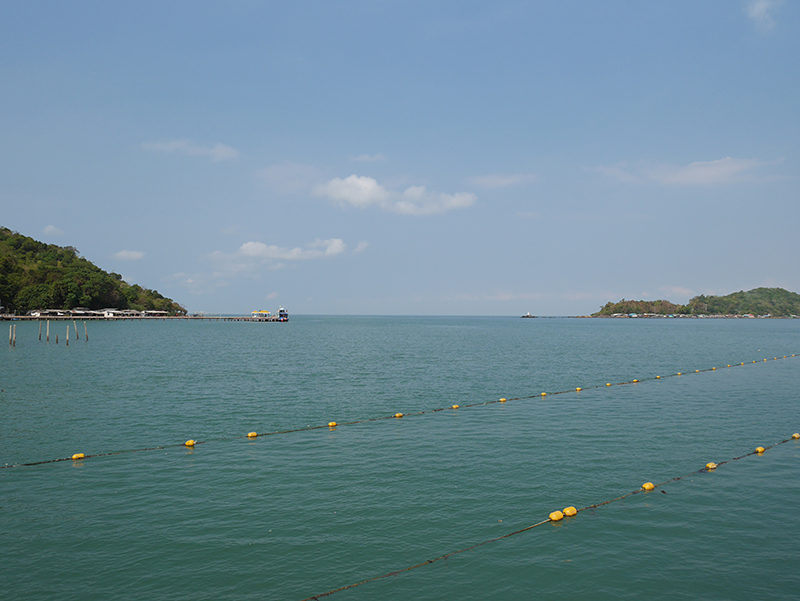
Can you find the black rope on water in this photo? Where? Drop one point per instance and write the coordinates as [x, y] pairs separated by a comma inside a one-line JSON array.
[[371, 419], [510, 534]]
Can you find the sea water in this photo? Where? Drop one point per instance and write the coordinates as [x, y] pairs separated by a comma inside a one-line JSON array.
[[289, 516]]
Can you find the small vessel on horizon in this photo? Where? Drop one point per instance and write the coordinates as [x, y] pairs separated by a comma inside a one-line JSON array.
[[529, 315]]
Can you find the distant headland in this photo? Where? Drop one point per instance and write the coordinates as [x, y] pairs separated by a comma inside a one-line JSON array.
[[35, 275], [759, 302]]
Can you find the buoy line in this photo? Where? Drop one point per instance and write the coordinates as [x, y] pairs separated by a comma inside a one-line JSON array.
[[332, 425], [556, 516]]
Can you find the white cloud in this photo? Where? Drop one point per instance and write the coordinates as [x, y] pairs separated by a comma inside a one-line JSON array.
[[760, 11], [218, 152], [316, 250], [52, 230], [358, 191], [129, 255], [501, 180], [290, 177], [362, 246], [370, 158], [362, 191], [727, 170]]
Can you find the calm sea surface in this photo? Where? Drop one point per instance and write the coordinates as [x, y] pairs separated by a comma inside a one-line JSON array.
[[288, 516]]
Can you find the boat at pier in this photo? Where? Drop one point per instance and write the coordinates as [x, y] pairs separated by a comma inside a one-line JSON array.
[[283, 315]]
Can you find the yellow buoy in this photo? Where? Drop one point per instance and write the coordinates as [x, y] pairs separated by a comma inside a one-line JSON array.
[[729, 366], [77, 456], [775, 358], [544, 394], [764, 359], [398, 415], [556, 516], [711, 465], [648, 486], [697, 371], [569, 511], [455, 406], [189, 443], [252, 434], [636, 380], [658, 377], [743, 363], [332, 424], [503, 400], [753, 361], [795, 435], [680, 374], [713, 368], [608, 383], [578, 389], [759, 450]]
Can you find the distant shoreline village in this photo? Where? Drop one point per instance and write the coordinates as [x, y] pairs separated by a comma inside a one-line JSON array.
[[281, 316]]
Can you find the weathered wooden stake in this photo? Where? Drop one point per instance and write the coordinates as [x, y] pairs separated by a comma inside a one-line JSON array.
[[76, 329], [40, 331], [48, 330], [15, 335], [67, 334], [56, 338], [85, 332], [10, 327]]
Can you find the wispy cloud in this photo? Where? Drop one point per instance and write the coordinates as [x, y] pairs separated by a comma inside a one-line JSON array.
[[52, 230], [677, 291], [761, 12], [129, 255], [253, 258], [316, 250], [370, 158], [727, 170], [290, 177], [362, 246], [217, 152], [362, 192], [503, 180]]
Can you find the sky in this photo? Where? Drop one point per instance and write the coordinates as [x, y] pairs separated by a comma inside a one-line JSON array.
[[404, 157]]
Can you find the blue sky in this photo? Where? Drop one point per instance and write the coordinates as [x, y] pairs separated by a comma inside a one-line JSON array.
[[404, 157]]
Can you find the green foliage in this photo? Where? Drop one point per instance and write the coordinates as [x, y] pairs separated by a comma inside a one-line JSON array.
[[776, 302], [759, 301], [35, 275], [659, 307]]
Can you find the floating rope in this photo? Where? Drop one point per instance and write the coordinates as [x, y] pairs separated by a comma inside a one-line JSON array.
[[332, 425], [554, 517]]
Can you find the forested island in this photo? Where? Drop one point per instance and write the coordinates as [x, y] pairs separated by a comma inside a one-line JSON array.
[[759, 302], [35, 275]]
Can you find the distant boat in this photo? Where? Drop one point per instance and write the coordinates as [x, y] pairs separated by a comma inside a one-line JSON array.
[[283, 315], [528, 315]]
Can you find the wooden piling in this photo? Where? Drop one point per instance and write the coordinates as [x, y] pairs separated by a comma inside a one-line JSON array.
[[48, 330], [67, 334], [15, 334], [10, 328], [76, 329], [85, 332], [40, 331]]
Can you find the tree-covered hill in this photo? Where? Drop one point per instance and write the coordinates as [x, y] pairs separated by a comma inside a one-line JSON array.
[[776, 302], [35, 275]]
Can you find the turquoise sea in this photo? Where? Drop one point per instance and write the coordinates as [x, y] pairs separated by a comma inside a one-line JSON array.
[[292, 515]]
